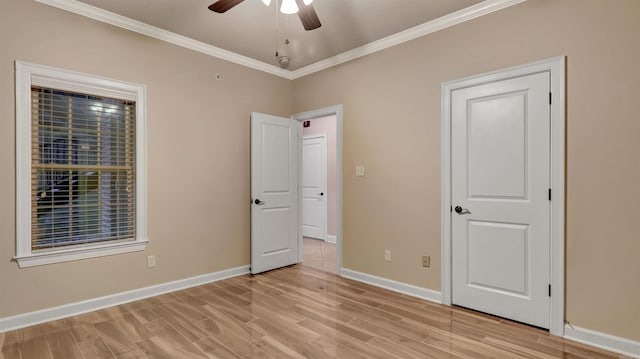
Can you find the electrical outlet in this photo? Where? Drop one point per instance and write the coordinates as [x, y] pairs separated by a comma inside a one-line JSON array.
[[360, 171], [426, 261], [387, 255], [151, 261]]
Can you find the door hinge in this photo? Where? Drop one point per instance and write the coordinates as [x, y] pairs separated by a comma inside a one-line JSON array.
[[550, 96], [549, 289], [549, 194], [451, 209]]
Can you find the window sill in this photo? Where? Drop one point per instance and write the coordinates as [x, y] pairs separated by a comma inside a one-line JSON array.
[[73, 254]]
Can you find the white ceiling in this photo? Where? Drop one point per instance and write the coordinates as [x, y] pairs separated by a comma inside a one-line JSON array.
[[250, 28]]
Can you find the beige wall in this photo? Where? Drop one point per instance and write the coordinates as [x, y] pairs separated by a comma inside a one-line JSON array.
[[327, 125], [198, 153], [392, 125]]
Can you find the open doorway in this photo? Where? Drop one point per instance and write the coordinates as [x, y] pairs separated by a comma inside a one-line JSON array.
[[318, 192], [321, 187]]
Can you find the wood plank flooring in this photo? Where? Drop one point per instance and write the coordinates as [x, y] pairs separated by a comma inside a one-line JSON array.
[[319, 254], [294, 312]]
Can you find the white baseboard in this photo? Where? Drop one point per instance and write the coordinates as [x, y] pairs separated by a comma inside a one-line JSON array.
[[400, 287], [609, 342], [68, 310], [331, 238]]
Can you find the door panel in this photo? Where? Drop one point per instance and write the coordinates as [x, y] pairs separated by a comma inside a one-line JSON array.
[[314, 187], [508, 273], [276, 158], [276, 229], [500, 179], [501, 118], [274, 185]]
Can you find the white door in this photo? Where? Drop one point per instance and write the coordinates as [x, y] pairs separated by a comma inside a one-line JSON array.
[[314, 186], [274, 192], [500, 149]]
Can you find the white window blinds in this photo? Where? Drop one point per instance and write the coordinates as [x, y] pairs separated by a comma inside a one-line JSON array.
[[83, 170]]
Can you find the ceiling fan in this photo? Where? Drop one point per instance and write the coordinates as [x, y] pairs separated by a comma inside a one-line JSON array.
[[305, 10]]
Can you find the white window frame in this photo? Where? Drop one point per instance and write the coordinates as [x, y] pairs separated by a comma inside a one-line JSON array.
[[28, 74]]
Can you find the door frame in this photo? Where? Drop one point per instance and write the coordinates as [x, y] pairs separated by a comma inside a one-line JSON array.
[[556, 68], [326, 179], [336, 111]]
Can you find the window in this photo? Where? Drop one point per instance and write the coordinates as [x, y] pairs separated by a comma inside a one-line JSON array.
[[80, 166]]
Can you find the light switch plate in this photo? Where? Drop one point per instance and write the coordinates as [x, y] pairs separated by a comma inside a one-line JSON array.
[[359, 171]]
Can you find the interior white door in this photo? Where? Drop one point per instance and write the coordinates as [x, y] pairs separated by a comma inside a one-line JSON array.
[[274, 192], [314, 186], [500, 149]]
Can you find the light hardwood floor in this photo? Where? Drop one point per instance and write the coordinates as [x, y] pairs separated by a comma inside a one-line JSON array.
[[319, 254], [294, 312]]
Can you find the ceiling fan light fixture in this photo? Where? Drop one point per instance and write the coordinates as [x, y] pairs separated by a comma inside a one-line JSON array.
[[307, 2], [289, 7], [266, 2]]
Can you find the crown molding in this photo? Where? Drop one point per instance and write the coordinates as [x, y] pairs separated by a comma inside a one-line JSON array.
[[109, 17], [460, 16]]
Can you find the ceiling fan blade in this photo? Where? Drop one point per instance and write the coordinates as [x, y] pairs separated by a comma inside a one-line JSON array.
[[308, 16], [221, 6]]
